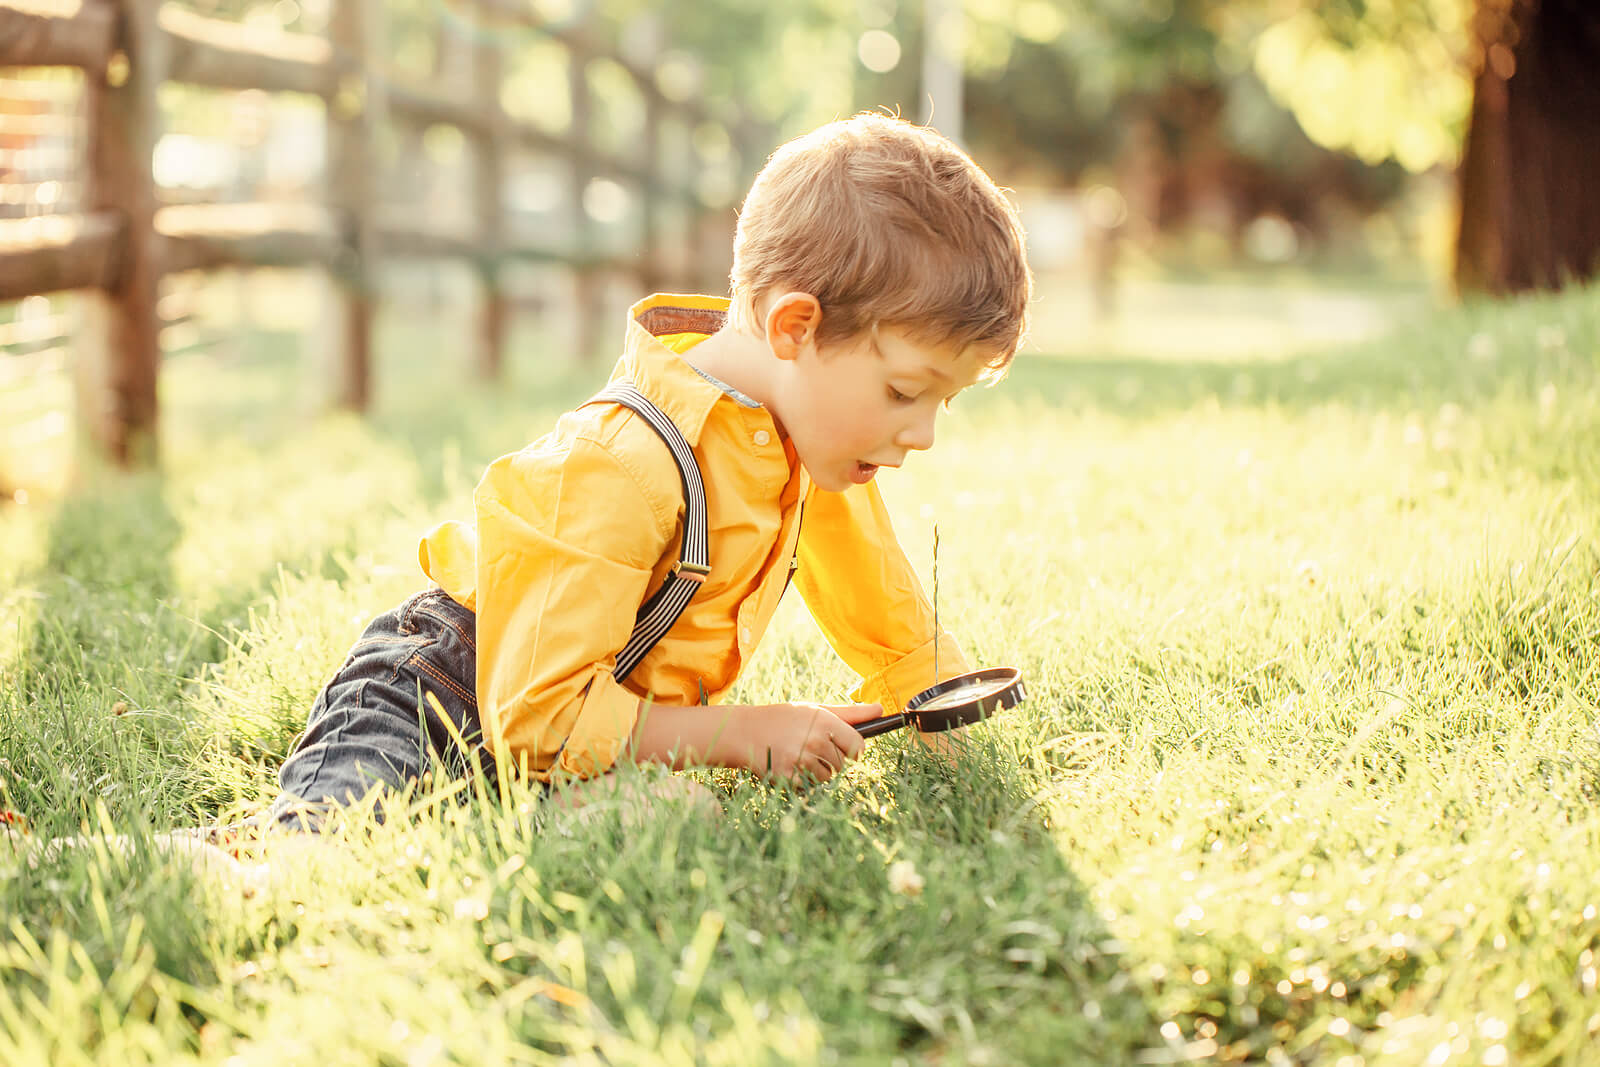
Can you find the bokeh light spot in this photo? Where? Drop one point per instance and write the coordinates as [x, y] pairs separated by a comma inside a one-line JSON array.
[[879, 51]]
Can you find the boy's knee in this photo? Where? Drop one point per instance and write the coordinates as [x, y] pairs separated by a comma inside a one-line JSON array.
[[635, 794], [689, 792]]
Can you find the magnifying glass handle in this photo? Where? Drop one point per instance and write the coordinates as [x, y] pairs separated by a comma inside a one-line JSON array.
[[874, 727]]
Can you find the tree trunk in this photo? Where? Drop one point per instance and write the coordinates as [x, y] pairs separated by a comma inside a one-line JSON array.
[[1529, 216]]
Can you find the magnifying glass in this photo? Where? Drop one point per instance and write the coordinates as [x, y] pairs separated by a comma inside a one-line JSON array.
[[966, 698]]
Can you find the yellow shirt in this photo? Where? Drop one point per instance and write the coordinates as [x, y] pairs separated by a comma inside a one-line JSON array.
[[575, 531]]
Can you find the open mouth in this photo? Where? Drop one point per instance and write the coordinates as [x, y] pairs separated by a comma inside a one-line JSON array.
[[864, 472]]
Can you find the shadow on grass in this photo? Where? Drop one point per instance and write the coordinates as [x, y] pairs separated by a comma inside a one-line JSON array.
[[96, 708], [131, 918], [909, 908], [97, 652], [89, 735]]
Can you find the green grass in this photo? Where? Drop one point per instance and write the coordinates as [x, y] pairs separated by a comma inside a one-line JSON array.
[[1309, 770]]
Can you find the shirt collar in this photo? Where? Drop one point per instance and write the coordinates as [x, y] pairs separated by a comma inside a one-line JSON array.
[[658, 371]]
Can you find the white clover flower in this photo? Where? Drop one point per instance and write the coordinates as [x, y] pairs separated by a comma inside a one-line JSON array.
[[904, 879]]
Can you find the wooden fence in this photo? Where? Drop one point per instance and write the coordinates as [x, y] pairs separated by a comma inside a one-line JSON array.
[[124, 240]]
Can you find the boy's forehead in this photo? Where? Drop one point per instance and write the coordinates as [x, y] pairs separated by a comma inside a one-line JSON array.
[[949, 363]]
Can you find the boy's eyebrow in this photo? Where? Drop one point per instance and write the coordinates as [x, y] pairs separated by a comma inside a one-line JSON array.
[[929, 368]]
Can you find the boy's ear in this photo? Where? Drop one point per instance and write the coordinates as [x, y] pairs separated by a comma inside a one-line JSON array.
[[792, 323]]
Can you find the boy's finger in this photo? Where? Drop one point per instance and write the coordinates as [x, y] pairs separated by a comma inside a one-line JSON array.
[[858, 713], [827, 746], [849, 743]]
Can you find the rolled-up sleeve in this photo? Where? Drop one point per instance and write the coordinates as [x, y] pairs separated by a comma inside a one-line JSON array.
[[567, 539], [867, 598]]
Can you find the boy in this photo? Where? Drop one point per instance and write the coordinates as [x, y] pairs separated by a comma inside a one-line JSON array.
[[877, 272]]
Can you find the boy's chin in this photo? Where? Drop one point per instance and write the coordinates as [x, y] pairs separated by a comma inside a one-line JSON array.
[[834, 479]]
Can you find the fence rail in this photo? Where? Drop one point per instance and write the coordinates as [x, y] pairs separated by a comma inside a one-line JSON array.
[[123, 239]]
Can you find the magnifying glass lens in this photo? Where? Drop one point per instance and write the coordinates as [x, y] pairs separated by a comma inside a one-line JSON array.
[[975, 690]]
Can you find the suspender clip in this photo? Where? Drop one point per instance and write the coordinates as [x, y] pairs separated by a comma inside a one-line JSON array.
[[690, 572]]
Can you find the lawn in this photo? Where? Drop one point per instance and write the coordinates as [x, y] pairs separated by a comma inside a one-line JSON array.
[[1309, 769]]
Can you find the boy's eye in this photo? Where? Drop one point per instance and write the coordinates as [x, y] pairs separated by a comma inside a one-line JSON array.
[[898, 397]]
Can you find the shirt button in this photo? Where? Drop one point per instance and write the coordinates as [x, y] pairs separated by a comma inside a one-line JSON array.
[[762, 437]]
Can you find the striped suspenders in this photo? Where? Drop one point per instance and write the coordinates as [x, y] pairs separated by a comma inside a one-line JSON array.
[[657, 614]]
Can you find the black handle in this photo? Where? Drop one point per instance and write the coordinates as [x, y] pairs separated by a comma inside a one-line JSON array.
[[874, 727]]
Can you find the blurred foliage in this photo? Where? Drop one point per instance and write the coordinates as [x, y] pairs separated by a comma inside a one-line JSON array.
[[1311, 110], [1383, 79], [1387, 79]]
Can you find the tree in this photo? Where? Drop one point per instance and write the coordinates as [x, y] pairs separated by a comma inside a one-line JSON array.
[[1529, 216], [1514, 83]]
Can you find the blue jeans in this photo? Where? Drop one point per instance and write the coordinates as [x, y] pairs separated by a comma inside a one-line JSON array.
[[372, 725]]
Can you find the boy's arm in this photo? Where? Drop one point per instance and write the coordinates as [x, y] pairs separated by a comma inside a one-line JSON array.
[[568, 538], [779, 741], [868, 600]]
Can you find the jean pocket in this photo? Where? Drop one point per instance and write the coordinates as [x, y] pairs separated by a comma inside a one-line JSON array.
[[426, 666], [450, 622]]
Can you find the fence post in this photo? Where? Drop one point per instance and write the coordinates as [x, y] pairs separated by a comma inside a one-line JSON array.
[[121, 357], [489, 179], [354, 115]]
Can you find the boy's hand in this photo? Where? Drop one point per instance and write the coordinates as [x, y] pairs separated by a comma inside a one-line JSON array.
[[802, 741]]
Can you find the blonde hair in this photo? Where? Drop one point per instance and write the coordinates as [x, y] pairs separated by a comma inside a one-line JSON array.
[[885, 223]]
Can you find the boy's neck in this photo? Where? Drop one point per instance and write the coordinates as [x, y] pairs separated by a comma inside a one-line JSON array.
[[743, 361]]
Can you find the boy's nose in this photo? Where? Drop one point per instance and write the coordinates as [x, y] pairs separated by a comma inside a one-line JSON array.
[[918, 434]]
